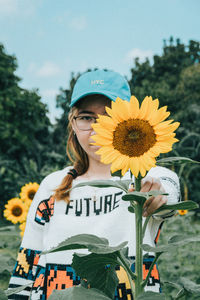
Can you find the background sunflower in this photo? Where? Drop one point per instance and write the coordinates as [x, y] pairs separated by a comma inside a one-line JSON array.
[[16, 210], [22, 227], [28, 191], [182, 212], [131, 137]]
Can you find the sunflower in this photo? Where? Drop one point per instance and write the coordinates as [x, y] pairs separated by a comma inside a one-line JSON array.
[[132, 136], [182, 212], [22, 227], [28, 191], [16, 210]]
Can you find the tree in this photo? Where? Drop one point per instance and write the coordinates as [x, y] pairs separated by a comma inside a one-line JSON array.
[[174, 78], [24, 131], [161, 78]]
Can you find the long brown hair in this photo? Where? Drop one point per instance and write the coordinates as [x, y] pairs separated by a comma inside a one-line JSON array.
[[76, 154]]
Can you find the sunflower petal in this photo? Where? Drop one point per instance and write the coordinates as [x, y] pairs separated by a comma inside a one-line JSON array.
[[112, 115], [118, 112], [165, 136], [144, 107], [134, 107], [100, 141], [106, 122], [104, 149], [103, 132], [109, 157], [134, 166], [159, 116]]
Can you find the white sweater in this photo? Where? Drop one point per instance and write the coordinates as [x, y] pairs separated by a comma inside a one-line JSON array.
[[98, 211]]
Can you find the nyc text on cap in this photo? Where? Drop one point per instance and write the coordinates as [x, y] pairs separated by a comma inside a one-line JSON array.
[[107, 83]]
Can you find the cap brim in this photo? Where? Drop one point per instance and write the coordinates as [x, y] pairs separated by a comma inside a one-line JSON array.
[[107, 94]]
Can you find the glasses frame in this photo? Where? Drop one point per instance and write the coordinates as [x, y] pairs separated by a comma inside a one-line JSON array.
[[75, 118]]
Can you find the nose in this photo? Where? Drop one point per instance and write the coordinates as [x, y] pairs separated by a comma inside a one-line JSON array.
[[92, 132]]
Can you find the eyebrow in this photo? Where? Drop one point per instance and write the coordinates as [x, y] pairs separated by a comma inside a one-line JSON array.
[[86, 112]]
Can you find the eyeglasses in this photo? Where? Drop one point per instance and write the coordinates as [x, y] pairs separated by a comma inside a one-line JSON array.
[[84, 122]]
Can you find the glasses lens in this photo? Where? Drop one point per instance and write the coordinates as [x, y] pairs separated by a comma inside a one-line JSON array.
[[85, 122]]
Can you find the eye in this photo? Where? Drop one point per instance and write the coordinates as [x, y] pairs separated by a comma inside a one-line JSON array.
[[87, 118]]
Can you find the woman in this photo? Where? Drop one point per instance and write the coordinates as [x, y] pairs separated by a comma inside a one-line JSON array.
[[56, 214]]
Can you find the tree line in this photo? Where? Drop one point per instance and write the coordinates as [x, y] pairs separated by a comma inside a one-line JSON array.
[[31, 147]]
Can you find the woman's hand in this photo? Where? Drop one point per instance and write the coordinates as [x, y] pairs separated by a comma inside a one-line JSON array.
[[153, 203]]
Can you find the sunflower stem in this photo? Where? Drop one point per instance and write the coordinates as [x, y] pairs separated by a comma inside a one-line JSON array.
[[139, 239], [151, 268], [145, 225], [138, 183], [130, 274]]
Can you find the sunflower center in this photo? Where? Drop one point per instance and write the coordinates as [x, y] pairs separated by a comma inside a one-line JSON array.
[[17, 211], [31, 195], [133, 137]]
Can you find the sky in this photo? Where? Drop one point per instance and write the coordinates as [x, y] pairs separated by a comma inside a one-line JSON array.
[[53, 38]]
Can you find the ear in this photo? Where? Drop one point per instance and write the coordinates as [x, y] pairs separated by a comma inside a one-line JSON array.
[[73, 126]]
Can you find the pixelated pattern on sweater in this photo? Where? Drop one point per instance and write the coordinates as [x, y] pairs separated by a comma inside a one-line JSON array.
[[26, 261], [59, 277], [56, 277], [45, 211]]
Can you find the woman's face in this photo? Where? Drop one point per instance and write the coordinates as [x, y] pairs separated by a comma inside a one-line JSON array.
[[89, 108]]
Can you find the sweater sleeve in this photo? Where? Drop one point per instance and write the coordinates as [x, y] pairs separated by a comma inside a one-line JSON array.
[[32, 243]]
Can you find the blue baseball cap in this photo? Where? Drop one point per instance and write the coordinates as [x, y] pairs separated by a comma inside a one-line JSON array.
[[107, 83]]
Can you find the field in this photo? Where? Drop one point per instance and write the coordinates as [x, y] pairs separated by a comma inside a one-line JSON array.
[[182, 263]]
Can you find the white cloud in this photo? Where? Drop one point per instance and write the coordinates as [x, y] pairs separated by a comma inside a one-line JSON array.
[[22, 8], [8, 7], [48, 69], [61, 18], [141, 54], [50, 93], [78, 23]]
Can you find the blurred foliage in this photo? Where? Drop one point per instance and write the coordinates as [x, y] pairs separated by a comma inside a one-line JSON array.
[[26, 152], [174, 78], [184, 262], [9, 245], [172, 265]]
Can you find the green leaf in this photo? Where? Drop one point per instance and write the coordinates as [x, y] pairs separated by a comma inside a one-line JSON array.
[[124, 253], [175, 160], [5, 228], [178, 206], [180, 294], [151, 296], [79, 241], [9, 233], [78, 293], [158, 249], [135, 196], [120, 184], [98, 270], [117, 174], [173, 243], [141, 196], [91, 242], [103, 249], [7, 263], [3, 295], [190, 286], [131, 209], [155, 193], [173, 284], [18, 289], [182, 239]]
